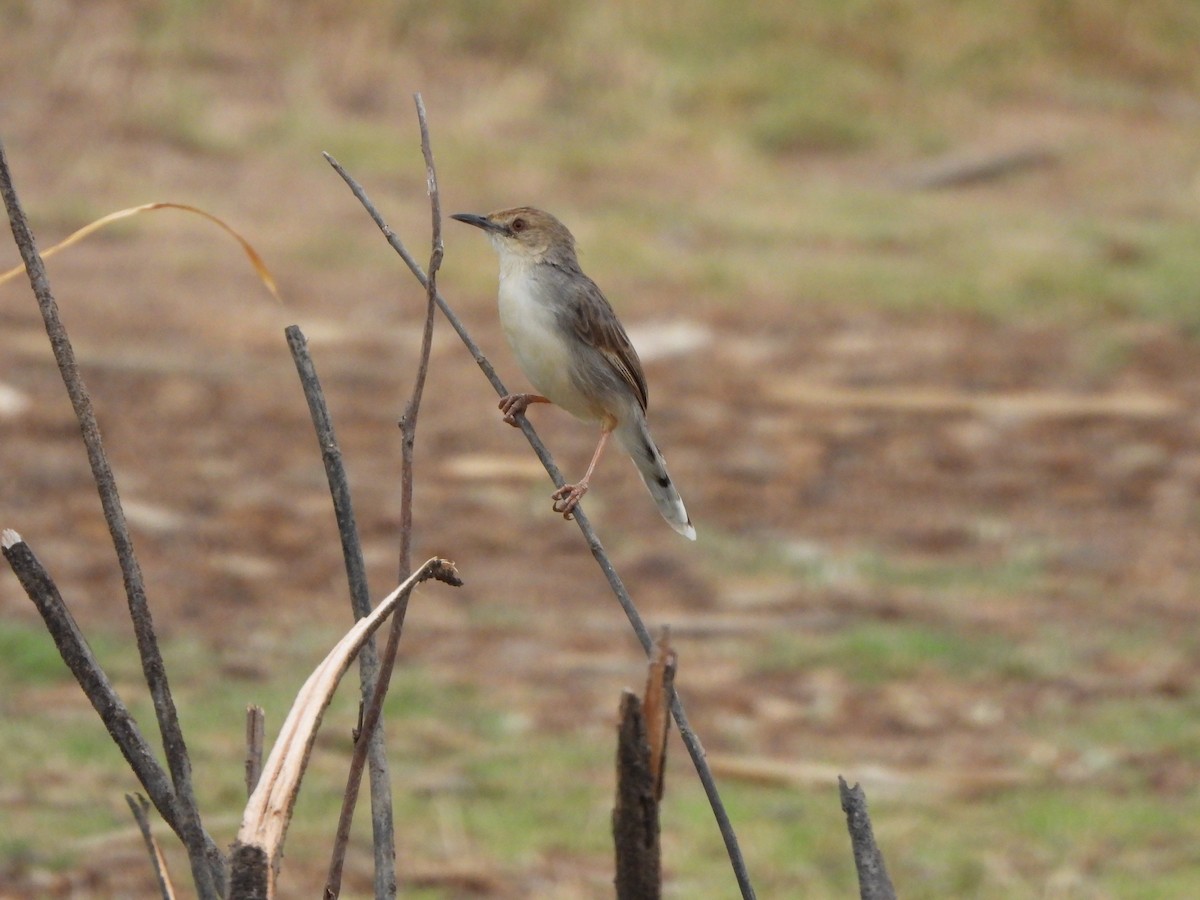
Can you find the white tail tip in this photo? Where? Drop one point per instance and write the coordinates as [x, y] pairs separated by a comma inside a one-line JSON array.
[[687, 530]]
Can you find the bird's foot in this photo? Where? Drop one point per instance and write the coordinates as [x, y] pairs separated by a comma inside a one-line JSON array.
[[567, 497], [513, 405]]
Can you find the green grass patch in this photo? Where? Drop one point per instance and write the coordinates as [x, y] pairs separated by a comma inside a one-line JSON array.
[[28, 656], [794, 840], [1024, 842], [1020, 568], [876, 652], [1144, 723]]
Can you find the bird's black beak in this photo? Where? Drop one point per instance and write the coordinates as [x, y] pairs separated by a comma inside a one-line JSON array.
[[479, 222]]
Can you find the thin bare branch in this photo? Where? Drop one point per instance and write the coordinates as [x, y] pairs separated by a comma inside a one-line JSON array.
[[208, 865], [873, 880], [76, 653], [335, 472], [382, 826], [408, 423], [373, 711], [396, 244], [690, 740], [255, 736], [139, 805]]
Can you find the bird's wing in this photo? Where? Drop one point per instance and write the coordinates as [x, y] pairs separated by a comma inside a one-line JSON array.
[[596, 324]]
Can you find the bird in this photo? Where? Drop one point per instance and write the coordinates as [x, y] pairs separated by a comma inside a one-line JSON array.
[[571, 346]]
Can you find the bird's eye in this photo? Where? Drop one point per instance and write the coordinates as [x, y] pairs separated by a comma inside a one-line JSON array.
[[518, 225]]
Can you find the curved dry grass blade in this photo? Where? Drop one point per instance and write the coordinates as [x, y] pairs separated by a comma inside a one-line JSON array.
[[265, 821], [256, 261]]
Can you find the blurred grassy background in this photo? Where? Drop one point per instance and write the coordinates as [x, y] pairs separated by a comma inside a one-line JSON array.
[[752, 166], [717, 150]]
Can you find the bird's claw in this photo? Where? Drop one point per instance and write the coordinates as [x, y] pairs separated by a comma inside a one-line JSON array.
[[567, 497], [513, 405]]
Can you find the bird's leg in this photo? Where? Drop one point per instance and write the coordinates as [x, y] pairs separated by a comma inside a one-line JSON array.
[[513, 405], [567, 497]]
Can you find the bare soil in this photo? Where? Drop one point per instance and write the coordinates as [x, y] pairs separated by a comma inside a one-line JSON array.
[[946, 443]]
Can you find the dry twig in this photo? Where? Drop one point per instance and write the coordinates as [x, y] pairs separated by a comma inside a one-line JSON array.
[[373, 709], [382, 826], [207, 862], [76, 653], [958, 169], [660, 682], [873, 881], [635, 817], [139, 806], [641, 762], [255, 737]]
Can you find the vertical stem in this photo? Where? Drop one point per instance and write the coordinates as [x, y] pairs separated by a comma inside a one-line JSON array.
[[382, 824], [373, 708]]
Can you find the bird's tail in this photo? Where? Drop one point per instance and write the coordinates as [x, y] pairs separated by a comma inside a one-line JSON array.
[[634, 435]]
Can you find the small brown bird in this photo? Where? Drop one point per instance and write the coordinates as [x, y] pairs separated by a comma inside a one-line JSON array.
[[572, 348]]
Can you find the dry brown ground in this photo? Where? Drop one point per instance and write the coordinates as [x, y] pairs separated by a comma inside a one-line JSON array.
[[941, 441]]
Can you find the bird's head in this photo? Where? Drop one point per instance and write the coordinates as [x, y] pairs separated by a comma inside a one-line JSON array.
[[526, 233]]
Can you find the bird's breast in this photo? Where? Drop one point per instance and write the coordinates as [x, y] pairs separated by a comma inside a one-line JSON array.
[[542, 348]]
